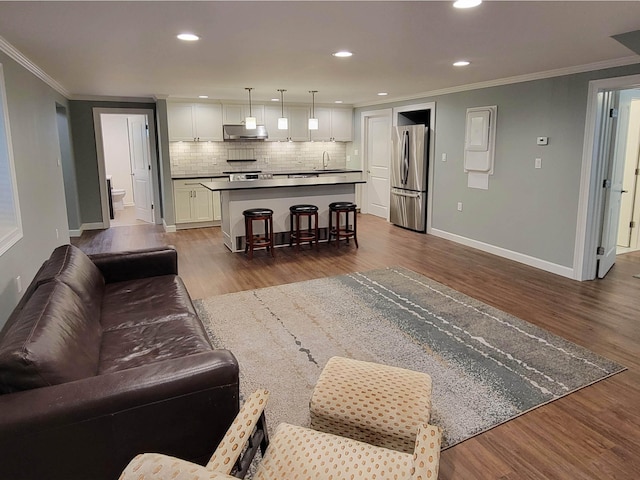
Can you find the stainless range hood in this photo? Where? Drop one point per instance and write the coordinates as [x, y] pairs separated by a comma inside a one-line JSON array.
[[238, 133]]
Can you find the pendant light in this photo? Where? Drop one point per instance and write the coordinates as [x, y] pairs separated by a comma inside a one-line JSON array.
[[313, 121], [250, 121], [283, 123]]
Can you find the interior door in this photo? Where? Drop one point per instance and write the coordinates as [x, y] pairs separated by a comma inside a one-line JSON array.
[[378, 144], [140, 167], [612, 184]]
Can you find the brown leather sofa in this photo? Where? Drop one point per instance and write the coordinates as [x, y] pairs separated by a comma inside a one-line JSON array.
[[104, 358]]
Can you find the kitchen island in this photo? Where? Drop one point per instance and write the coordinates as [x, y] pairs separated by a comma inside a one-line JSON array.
[[279, 194]]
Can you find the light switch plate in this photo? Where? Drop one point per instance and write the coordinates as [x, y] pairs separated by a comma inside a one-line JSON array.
[[538, 163]]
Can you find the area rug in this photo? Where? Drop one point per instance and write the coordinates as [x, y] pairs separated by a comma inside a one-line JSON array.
[[487, 366]]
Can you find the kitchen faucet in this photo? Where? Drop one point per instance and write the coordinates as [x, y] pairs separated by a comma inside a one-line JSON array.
[[325, 165]]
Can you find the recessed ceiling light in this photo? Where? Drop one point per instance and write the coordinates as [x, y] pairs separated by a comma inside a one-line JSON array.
[[203, 96], [382, 94], [342, 53], [466, 3], [461, 63], [188, 37], [338, 101]]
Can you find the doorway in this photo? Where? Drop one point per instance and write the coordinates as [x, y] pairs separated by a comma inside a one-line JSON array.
[[602, 183], [125, 143], [629, 151]]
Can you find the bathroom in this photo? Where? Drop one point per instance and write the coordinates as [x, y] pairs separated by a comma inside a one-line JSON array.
[[116, 135]]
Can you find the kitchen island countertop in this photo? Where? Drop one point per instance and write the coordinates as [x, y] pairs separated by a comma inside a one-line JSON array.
[[335, 179], [337, 171]]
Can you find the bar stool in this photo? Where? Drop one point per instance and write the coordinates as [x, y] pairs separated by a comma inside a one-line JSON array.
[[310, 234], [265, 240], [335, 209]]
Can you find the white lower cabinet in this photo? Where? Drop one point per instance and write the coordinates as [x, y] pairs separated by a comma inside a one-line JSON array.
[[193, 202]]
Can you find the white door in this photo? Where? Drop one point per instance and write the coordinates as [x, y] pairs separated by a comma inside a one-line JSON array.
[[140, 167], [612, 184], [378, 158]]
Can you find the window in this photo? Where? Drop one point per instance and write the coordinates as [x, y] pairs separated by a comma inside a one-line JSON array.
[[10, 223]]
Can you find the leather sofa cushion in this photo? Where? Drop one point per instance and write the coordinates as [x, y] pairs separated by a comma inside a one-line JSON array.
[[145, 301], [72, 266], [167, 338], [55, 340]]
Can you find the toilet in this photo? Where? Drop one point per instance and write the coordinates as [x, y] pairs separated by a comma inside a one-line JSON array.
[[117, 196]]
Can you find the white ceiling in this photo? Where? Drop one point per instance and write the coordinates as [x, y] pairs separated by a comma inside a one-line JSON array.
[[129, 49]]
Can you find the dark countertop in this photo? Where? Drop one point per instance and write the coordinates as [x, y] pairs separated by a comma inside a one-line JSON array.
[[281, 182], [186, 176]]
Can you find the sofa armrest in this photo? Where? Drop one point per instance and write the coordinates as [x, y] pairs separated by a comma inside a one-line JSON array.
[[50, 407], [92, 428], [134, 264]]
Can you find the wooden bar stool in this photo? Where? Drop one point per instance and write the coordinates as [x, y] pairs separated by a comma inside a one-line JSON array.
[[296, 234], [258, 240], [345, 231]]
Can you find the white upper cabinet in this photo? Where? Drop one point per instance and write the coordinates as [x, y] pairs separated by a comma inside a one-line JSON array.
[[194, 122], [334, 124], [208, 122], [297, 120], [234, 114], [271, 115], [298, 123], [342, 124]]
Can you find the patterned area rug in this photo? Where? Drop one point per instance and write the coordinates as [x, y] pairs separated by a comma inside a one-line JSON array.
[[487, 366]]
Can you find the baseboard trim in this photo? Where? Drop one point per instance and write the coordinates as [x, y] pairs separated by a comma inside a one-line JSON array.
[[509, 254], [168, 228]]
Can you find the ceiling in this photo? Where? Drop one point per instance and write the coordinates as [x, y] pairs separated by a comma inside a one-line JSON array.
[[129, 49]]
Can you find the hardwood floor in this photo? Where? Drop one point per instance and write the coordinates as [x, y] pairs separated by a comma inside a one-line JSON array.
[[591, 434]]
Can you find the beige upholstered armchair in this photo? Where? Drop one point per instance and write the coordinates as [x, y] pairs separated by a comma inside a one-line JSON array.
[[295, 452]]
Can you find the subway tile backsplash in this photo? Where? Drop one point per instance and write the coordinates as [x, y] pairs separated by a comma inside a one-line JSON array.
[[210, 158]]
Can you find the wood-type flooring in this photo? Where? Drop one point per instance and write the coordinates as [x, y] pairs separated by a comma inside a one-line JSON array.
[[591, 434]]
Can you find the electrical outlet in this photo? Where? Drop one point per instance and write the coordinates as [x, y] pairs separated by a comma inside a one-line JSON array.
[[444, 157], [459, 206], [538, 163], [355, 152], [348, 158]]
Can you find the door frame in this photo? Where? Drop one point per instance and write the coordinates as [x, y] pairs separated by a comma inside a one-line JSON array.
[[364, 135], [431, 106], [102, 175], [591, 198]]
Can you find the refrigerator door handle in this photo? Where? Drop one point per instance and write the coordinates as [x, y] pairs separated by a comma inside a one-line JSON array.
[[400, 193], [405, 157]]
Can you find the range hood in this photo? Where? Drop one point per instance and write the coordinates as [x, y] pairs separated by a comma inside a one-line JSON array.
[[239, 133]]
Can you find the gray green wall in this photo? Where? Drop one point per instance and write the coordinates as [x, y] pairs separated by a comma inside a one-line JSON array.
[[86, 157], [34, 135], [166, 186], [529, 211]]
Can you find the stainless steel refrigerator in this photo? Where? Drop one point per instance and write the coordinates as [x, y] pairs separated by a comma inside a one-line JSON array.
[[409, 177]]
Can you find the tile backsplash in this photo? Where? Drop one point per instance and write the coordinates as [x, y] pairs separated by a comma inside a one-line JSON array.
[[210, 158]]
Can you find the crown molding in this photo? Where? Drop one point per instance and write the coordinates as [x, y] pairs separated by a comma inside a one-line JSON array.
[[106, 98], [559, 72], [21, 59]]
